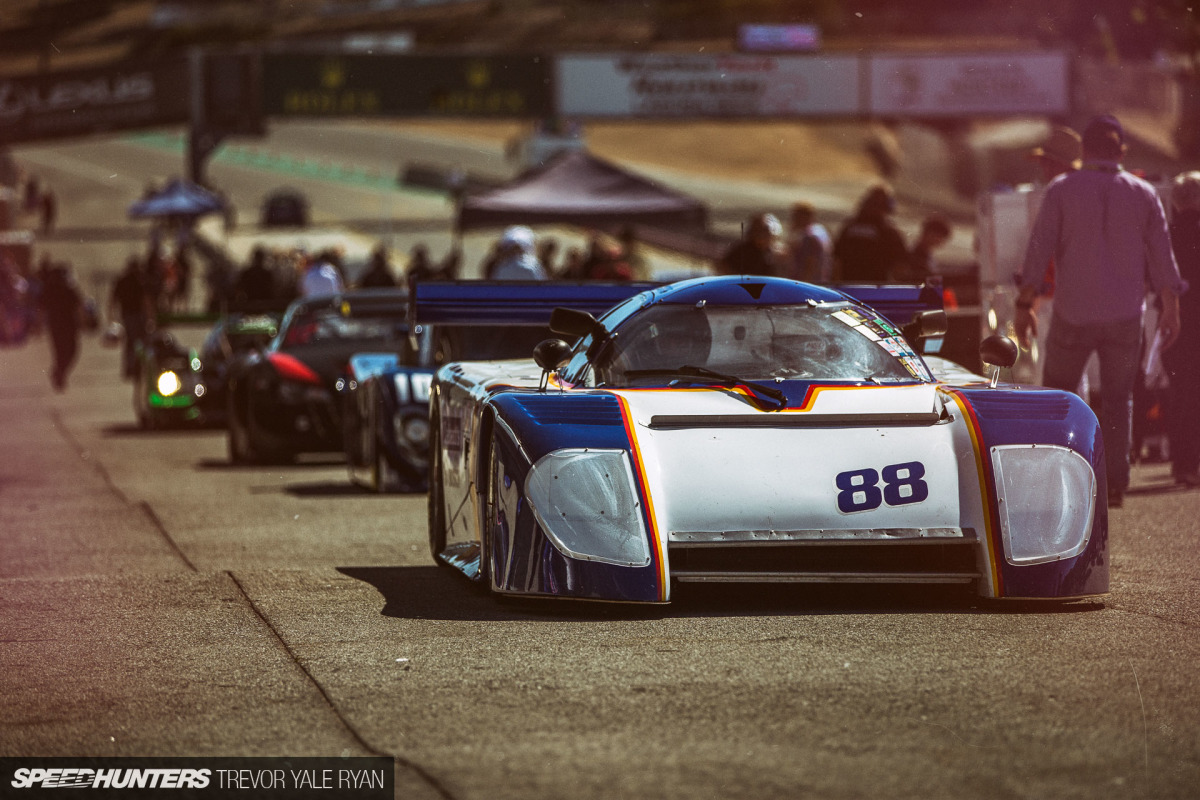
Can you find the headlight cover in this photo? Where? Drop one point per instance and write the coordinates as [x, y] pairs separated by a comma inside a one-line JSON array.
[[1047, 502], [587, 503]]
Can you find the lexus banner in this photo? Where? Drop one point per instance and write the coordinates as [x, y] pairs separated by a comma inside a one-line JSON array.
[[119, 97]]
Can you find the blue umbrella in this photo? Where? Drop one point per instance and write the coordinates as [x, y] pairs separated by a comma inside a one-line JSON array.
[[177, 199]]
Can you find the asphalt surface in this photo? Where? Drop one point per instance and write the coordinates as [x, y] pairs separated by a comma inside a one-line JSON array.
[[155, 600]]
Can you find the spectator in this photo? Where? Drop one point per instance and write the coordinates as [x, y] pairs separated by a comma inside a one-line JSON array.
[[572, 266], [606, 261], [631, 252], [63, 306], [1108, 234], [935, 232], [182, 295], [1183, 394], [515, 256], [378, 272], [321, 276], [129, 299], [757, 252], [810, 250], [869, 247], [255, 288], [547, 254], [420, 268], [32, 193], [48, 204]]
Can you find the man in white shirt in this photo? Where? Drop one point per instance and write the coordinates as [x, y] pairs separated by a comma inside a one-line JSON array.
[[321, 278]]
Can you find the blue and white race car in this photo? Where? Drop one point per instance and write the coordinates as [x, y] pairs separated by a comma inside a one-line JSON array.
[[750, 429]]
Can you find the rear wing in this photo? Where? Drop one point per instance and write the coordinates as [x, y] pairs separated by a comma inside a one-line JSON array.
[[901, 303], [474, 302], [512, 302], [372, 303]]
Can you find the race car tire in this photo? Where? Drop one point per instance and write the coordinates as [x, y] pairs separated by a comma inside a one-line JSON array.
[[489, 515], [437, 510], [387, 477], [247, 447], [236, 438]]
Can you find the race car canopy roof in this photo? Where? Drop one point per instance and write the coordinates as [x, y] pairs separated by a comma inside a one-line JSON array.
[[579, 189], [899, 303]]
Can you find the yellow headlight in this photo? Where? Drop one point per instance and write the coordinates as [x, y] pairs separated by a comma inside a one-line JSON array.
[[168, 384]]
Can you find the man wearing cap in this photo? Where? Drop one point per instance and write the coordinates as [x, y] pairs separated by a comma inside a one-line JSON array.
[[758, 252], [1107, 233], [321, 278], [516, 256]]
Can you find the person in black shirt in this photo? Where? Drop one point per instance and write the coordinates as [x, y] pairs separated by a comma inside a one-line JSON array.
[[378, 273], [129, 297], [758, 252], [63, 305], [869, 247], [255, 289]]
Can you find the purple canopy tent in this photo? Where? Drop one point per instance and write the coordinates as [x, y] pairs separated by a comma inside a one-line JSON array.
[[576, 188]]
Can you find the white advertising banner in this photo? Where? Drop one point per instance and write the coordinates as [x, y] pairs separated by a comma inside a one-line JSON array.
[[719, 85], [958, 85]]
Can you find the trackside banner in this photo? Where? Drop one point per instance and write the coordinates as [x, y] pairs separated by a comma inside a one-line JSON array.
[[718, 85], [77, 103], [202, 778], [734, 85]]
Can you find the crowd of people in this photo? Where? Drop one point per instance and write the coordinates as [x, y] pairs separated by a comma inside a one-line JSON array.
[[868, 248]]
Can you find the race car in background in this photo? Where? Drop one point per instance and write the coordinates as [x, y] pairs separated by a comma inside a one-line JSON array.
[[168, 384], [387, 401], [287, 398], [752, 429], [233, 336]]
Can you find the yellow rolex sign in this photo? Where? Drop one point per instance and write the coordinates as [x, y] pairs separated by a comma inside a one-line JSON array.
[[398, 85]]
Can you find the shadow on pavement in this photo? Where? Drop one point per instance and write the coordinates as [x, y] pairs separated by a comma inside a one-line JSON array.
[[307, 463], [1157, 488], [330, 489], [122, 429], [440, 593]]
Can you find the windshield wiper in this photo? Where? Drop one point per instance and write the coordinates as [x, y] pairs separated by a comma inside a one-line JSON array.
[[689, 373]]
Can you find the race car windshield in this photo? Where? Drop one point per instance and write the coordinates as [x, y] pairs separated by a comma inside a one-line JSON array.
[[793, 342]]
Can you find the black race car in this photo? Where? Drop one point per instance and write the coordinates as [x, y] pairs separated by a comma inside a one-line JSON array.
[[288, 398], [234, 336], [387, 397]]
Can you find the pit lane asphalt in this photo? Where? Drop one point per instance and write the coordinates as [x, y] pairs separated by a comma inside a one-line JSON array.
[[156, 601]]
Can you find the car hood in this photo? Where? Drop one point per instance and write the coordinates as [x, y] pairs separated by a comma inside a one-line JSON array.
[[847, 459]]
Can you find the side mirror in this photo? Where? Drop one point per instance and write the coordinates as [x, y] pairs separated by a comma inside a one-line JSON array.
[[999, 352], [570, 322], [927, 324], [550, 354]]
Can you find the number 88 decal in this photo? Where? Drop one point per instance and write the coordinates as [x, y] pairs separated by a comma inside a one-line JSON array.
[[902, 486]]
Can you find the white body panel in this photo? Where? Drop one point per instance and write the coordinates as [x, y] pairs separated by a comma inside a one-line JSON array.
[[747, 482]]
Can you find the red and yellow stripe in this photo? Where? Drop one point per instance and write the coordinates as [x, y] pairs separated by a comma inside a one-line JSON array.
[[658, 550], [987, 490]]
